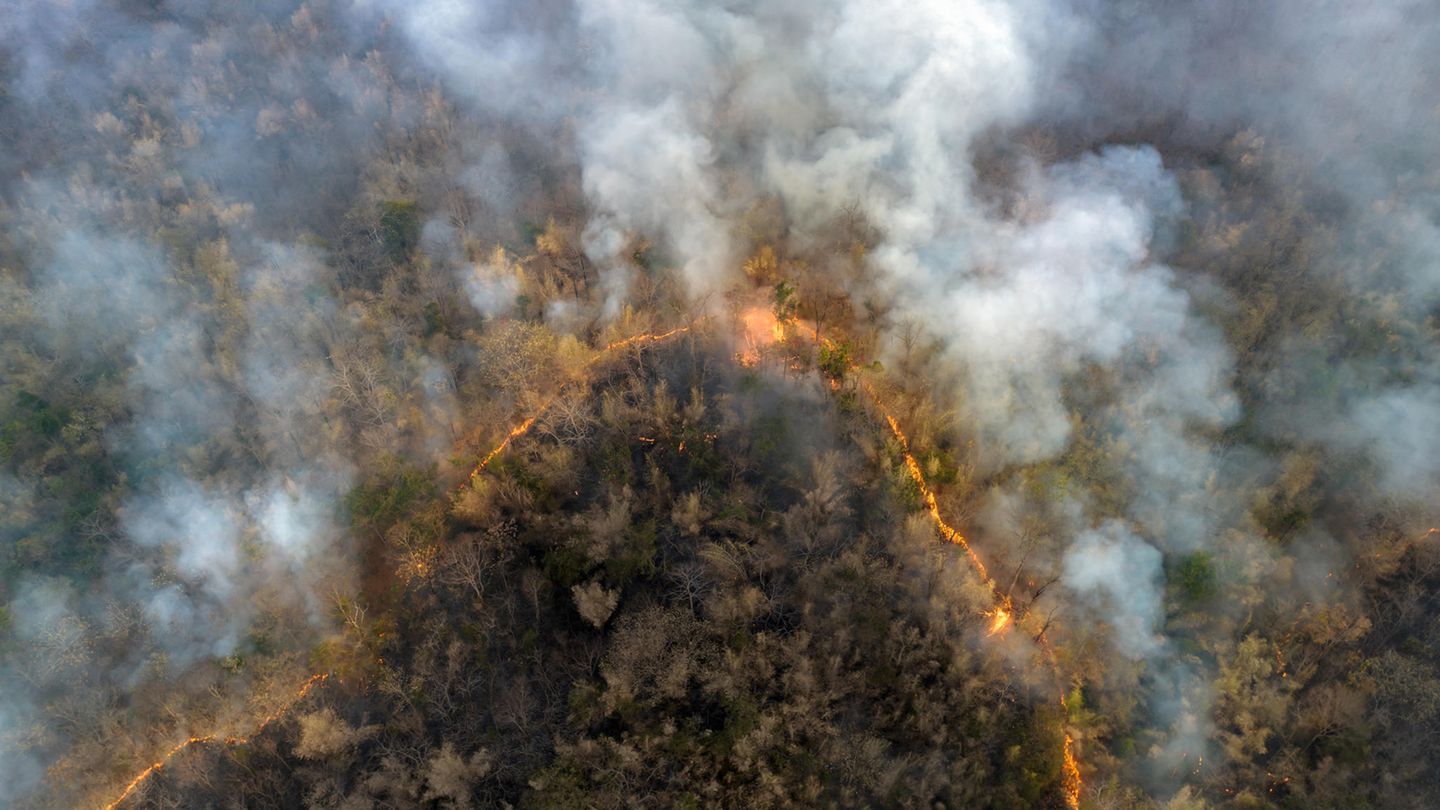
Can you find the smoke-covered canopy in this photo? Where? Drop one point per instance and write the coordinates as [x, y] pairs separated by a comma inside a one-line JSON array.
[[577, 385]]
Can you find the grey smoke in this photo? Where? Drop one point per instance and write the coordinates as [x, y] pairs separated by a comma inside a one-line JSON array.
[[1123, 573], [675, 118], [492, 286]]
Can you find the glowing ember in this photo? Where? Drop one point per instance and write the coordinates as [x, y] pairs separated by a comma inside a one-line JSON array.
[[140, 778], [515, 433], [634, 340], [932, 506]]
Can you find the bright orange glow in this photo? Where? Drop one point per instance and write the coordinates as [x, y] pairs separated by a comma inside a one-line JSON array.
[[634, 340], [927, 497], [760, 330], [1073, 783], [515, 433], [165, 758], [999, 620]]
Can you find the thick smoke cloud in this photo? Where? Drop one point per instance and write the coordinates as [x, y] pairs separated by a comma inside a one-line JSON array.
[[1124, 573], [647, 172], [1348, 95]]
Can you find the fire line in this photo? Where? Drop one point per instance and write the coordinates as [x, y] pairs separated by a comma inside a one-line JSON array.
[[1003, 612], [524, 427], [515, 433], [175, 751], [1000, 615]]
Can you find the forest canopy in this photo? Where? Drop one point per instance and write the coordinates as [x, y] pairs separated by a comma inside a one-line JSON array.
[[573, 403]]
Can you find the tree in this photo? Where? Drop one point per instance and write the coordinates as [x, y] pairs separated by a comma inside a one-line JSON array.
[[594, 602], [450, 778]]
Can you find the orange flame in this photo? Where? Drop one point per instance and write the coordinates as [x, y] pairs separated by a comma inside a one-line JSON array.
[[760, 329], [641, 339], [933, 507], [1003, 612], [1073, 783], [140, 777], [515, 433], [999, 620]]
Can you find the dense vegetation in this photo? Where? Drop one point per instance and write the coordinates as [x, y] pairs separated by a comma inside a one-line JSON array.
[[273, 288]]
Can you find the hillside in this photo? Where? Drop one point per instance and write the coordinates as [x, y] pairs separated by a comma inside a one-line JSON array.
[[1007, 404]]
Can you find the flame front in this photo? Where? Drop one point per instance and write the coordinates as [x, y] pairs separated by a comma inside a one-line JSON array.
[[1000, 616], [649, 337], [999, 620], [515, 433], [1073, 783], [1003, 612], [265, 721], [760, 329], [524, 427], [933, 507]]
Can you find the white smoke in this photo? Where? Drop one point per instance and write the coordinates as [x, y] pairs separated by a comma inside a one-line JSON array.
[[678, 116], [1123, 573], [694, 112], [647, 172]]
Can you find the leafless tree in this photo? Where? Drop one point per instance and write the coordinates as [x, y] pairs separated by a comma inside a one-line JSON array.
[[474, 559], [690, 582], [361, 386], [569, 420]]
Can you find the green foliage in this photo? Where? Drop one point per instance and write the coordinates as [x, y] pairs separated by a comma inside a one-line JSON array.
[[787, 302], [566, 566], [705, 460], [399, 228], [1347, 746], [770, 434], [613, 459], [511, 467], [741, 715], [389, 494], [1035, 762], [940, 467], [1281, 520], [635, 557], [906, 489], [1049, 482], [558, 787], [30, 425], [644, 257], [435, 322], [1196, 578], [836, 360]]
